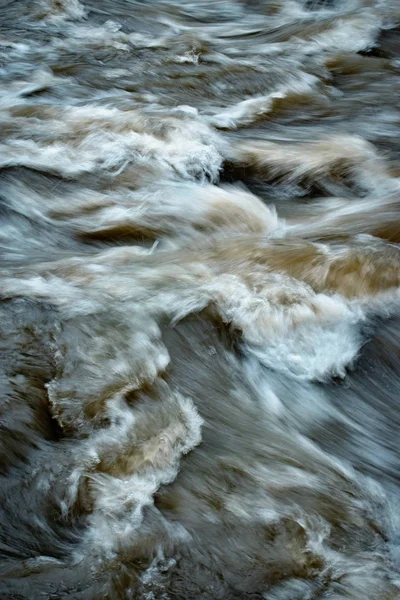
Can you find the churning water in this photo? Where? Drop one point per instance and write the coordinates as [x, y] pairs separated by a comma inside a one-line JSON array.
[[200, 286]]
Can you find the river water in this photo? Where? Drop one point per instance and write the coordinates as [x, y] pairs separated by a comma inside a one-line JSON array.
[[199, 284]]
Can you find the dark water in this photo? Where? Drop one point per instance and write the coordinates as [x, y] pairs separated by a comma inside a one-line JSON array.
[[200, 323]]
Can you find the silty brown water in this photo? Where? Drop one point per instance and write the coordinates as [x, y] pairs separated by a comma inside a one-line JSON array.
[[200, 326]]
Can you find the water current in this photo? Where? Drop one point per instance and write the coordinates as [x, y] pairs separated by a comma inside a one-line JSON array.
[[199, 300]]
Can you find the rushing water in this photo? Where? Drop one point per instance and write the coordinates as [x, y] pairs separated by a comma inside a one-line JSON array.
[[200, 285]]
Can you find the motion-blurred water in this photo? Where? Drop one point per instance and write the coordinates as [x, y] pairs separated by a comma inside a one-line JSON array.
[[200, 284]]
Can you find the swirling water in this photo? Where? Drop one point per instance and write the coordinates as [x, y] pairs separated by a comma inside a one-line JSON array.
[[199, 285]]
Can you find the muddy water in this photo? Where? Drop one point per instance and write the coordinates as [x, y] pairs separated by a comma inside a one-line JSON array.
[[200, 324]]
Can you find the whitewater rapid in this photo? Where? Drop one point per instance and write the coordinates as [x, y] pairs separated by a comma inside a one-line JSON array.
[[199, 298]]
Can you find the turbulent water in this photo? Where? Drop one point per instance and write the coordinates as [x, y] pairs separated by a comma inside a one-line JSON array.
[[200, 285]]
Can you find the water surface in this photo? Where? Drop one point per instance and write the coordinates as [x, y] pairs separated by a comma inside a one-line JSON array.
[[200, 325]]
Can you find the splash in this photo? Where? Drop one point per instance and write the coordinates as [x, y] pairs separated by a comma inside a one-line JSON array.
[[200, 278]]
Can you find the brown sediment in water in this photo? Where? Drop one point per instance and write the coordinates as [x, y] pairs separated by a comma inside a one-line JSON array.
[[199, 328]]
